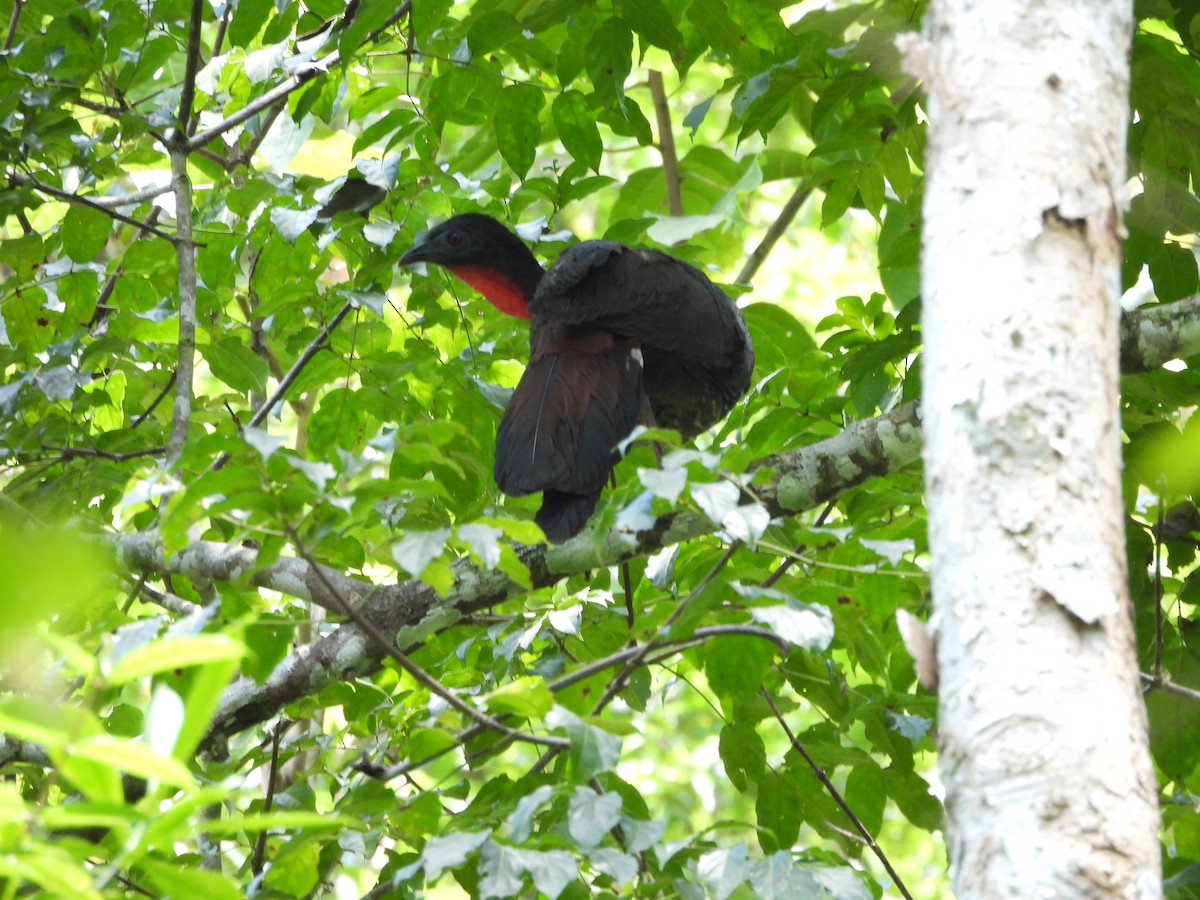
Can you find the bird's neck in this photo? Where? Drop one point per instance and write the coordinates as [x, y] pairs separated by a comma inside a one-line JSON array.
[[510, 289]]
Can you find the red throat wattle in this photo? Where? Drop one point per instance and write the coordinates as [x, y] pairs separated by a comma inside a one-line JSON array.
[[498, 289]]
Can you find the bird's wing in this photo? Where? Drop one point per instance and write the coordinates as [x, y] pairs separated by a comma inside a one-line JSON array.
[[579, 398], [697, 348]]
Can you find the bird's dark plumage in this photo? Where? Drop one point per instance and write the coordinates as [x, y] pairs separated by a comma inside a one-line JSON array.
[[611, 328]]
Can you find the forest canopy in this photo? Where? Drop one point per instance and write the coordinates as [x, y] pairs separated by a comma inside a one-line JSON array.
[[270, 629]]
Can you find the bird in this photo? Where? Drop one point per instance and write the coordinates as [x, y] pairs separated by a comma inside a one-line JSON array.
[[618, 336]]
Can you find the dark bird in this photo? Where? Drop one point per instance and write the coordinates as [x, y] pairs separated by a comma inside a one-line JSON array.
[[617, 336]]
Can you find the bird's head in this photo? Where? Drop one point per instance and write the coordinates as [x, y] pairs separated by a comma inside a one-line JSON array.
[[486, 255]]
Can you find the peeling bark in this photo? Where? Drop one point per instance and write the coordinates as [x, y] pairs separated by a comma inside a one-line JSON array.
[[1042, 731]]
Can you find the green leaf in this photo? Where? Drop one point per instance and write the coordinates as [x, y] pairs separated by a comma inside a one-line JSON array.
[[451, 850], [777, 811], [743, 753], [724, 870], [132, 758], [517, 127], [1174, 272], [528, 698], [293, 222], [552, 870], [871, 189], [172, 880], [806, 625], [610, 60], [503, 869], [519, 821], [419, 548], [203, 697], [736, 664], [839, 194], [897, 168], [591, 815], [716, 499], [236, 365], [593, 750], [653, 23], [173, 653], [866, 794], [910, 792], [85, 231], [697, 114], [576, 126], [249, 16]]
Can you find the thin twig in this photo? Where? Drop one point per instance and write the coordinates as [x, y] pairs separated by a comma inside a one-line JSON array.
[[68, 453], [124, 881], [168, 601], [777, 230], [137, 197], [293, 373], [618, 683], [388, 647], [260, 845], [80, 200], [264, 126], [1164, 683], [104, 109], [663, 650], [12, 24], [187, 95], [835, 794], [639, 658], [790, 561], [666, 144], [289, 84], [1158, 592], [102, 309], [149, 410]]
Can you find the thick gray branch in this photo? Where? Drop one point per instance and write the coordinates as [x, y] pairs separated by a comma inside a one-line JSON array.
[[1155, 335], [803, 478]]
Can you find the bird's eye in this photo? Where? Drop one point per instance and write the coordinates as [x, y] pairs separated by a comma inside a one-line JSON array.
[[454, 239]]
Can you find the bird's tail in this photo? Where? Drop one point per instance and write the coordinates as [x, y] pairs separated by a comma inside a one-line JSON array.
[[563, 515]]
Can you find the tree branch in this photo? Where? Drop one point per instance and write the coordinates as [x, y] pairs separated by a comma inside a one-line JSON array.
[[1154, 335], [80, 200], [387, 647], [777, 230], [289, 84], [803, 479], [13, 750], [137, 197], [1163, 683], [187, 95], [662, 650], [347, 653], [666, 143], [185, 253], [185, 247], [12, 24], [314, 346]]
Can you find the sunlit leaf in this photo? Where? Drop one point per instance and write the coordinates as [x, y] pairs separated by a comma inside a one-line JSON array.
[[592, 815]]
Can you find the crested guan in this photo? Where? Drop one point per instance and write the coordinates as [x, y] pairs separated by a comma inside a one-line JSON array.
[[616, 335]]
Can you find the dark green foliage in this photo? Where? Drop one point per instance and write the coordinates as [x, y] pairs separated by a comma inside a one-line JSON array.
[[679, 778]]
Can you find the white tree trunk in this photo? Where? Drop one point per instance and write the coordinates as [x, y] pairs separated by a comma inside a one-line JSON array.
[[1049, 786]]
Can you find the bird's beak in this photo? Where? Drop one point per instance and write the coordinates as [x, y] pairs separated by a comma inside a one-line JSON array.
[[415, 254]]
